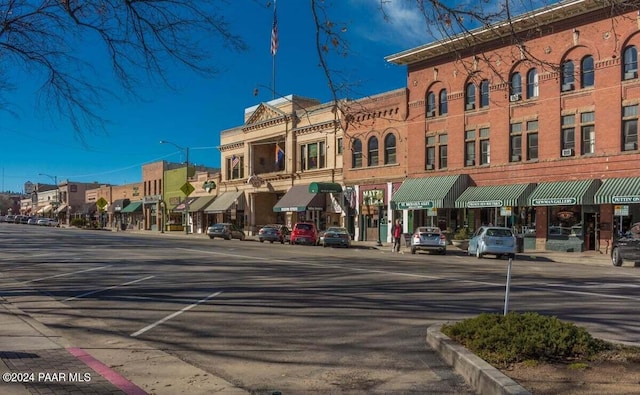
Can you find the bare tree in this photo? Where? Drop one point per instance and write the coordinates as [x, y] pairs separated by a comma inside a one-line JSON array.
[[40, 37]]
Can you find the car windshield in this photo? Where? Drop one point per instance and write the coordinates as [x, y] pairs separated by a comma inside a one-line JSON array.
[[337, 230], [428, 230], [304, 227]]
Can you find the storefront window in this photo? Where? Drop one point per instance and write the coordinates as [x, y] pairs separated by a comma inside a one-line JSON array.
[[565, 221]]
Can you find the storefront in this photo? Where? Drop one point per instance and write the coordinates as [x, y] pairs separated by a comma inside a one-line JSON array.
[[132, 216], [115, 212], [430, 201], [299, 204], [620, 205], [227, 207], [567, 218]]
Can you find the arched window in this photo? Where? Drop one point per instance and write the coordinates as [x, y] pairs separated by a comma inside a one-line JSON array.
[[586, 72], [443, 102], [470, 97], [515, 88], [630, 63], [568, 77], [390, 149], [372, 153], [484, 93], [532, 83], [356, 160], [431, 105]]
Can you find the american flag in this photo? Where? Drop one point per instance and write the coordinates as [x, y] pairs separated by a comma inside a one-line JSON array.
[[274, 32], [234, 161]]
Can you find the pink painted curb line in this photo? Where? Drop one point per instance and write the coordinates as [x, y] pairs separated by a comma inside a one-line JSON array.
[[103, 370]]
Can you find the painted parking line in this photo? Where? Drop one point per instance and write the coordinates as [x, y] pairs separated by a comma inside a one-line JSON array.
[[173, 315], [65, 274], [108, 288]]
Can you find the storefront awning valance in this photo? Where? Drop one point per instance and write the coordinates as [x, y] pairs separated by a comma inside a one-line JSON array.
[[88, 208], [325, 187], [200, 203], [61, 209], [133, 207], [564, 193], [429, 192], [495, 196], [180, 207], [619, 191], [45, 210], [224, 201], [298, 198], [118, 205]]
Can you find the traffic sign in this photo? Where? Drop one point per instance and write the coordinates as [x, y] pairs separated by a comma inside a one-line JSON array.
[[187, 188]]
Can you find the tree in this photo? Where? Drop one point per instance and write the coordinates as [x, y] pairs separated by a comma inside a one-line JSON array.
[[40, 37]]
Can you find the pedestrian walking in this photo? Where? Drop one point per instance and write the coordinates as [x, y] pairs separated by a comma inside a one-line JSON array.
[[397, 235]]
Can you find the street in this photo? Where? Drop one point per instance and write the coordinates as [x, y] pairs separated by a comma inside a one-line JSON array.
[[271, 317]]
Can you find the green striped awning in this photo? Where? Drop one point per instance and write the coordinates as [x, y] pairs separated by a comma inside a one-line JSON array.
[[429, 192], [133, 207], [619, 191], [495, 196], [564, 193]]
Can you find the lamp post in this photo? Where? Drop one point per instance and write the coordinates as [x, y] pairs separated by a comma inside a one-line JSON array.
[[378, 203], [186, 196], [55, 180]]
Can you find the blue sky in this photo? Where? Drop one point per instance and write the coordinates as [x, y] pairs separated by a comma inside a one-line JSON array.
[[36, 142]]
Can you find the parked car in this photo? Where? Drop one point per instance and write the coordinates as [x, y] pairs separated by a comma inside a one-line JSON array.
[[226, 231], [304, 233], [34, 220], [626, 246], [48, 222], [336, 236], [494, 240], [429, 238], [274, 232]]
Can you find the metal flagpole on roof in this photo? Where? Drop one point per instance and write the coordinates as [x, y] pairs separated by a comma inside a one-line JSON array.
[[274, 49]]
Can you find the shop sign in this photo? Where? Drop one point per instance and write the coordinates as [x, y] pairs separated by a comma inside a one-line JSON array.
[[625, 199], [432, 212], [506, 211], [621, 210], [373, 197], [555, 202], [484, 203], [151, 199], [415, 205]]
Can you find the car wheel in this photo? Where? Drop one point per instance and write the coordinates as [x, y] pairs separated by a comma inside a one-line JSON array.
[[478, 253], [324, 245], [271, 241], [443, 252], [242, 237], [211, 237], [413, 251], [261, 241], [282, 241], [498, 256], [616, 258], [228, 238], [512, 256]]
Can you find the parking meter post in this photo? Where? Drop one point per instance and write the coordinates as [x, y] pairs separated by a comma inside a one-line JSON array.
[[506, 295]]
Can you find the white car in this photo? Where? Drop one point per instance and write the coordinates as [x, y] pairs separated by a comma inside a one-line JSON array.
[[48, 222]]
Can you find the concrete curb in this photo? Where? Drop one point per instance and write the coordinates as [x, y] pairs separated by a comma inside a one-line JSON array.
[[480, 375]]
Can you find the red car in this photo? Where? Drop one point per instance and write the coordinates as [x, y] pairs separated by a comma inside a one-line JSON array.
[[304, 233]]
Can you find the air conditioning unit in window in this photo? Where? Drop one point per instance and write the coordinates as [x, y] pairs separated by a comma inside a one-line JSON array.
[[431, 113], [429, 166], [470, 162], [515, 158], [515, 97], [631, 74], [470, 106], [567, 87], [631, 146], [567, 152]]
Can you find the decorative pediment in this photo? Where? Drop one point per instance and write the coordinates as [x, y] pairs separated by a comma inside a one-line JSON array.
[[264, 113]]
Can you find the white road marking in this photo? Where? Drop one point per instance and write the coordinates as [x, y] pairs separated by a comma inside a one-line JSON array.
[[172, 315], [65, 274], [108, 288]]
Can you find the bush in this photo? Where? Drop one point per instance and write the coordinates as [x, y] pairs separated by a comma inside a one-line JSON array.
[[461, 234], [78, 222], [502, 340]]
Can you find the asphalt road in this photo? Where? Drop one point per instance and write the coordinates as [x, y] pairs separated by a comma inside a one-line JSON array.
[[270, 317]]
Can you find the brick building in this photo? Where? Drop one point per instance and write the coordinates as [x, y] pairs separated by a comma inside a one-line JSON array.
[[537, 132]]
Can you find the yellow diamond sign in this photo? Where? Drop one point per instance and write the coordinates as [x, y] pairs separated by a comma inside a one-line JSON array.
[[187, 188], [101, 202]]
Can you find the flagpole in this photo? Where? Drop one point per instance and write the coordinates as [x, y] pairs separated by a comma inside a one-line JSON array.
[[274, 49]]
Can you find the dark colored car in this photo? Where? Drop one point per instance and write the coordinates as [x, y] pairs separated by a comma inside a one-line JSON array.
[[274, 232], [304, 233], [336, 236], [627, 246], [225, 231]]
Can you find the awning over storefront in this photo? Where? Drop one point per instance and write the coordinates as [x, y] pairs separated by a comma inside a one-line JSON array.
[[298, 198], [45, 210], [495, 196], [88, 208], [325, 187], [618, 191], [564, 193], [61, 209], [133, 207], [224, 202], [429, 192], [180, 207], [118, 205], [201, 203]]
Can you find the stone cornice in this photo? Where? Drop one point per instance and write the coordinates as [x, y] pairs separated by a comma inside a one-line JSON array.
[[231, 146]]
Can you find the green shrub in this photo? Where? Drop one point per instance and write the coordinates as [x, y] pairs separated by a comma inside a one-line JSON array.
[[502, 340], [78, 222], [462, 234]]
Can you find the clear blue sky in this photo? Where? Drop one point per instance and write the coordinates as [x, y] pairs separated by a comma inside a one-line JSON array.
[[193, 116]]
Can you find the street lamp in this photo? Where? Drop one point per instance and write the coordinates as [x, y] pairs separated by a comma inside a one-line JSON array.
[[55, 180], [186, 199], [379, 204]]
